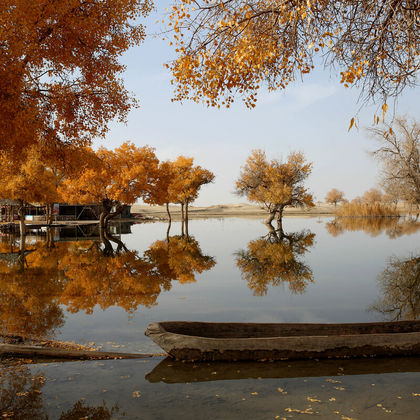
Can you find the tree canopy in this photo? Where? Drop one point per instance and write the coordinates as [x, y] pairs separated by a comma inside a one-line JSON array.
[[114, 178], [231, 48], [59, 68], [275, 184], [334, 196]]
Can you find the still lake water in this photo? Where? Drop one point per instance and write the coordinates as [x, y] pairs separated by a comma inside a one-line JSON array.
[[232, 269]]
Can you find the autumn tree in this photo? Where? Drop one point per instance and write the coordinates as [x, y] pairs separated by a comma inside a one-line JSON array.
[[114, 179], [162, 192], [334, 196], [275, 184], [276, 259], [399, 155], [372, 196], [59, 68], [231, 48], [186, 183], [26, 180]]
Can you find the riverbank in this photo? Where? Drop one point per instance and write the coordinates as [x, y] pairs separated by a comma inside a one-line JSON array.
[[227, 210]]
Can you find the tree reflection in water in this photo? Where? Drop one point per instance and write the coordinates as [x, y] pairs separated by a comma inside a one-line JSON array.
[[276, 259], [30, 288], [400, 287], [84, 274], [179, 258], [394, 227], [104, 276], [21, 398]]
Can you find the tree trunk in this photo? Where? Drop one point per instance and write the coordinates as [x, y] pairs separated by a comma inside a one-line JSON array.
[[186, 218], [106, 209], [270, 218], [182, 212], [280, 221], [21, 213], [108, 251], [168, 231], [49, 213], [182, 219], [119, 242], [50, 238], [169, 213], [119, 209]]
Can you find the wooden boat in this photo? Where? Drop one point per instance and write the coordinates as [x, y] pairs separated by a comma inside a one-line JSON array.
[[208, 341]]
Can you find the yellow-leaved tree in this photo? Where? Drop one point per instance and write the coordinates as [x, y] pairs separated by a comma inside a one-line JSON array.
[[113, 178], [27, 180], [231, 48], [275, 184], [59, 68]]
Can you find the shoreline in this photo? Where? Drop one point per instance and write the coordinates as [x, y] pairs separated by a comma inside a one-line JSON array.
[[226, 210]]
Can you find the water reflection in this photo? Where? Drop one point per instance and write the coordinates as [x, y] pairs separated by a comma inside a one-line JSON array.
[[30, 288], [179, 258], [275, 259], [36, 282], [400, 287], [171, 371], [394, 227], [21, 398]]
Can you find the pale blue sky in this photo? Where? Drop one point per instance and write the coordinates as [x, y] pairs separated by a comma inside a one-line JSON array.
[[311, 116]]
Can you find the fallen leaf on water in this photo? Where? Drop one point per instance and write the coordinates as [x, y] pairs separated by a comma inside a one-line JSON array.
[[333, 381], [311, 399], [332, 399], [136, 394], [339, 388], [254, 393], [296, 410], [415, 394]]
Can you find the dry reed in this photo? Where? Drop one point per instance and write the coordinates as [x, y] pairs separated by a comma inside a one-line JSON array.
[[357, 209]]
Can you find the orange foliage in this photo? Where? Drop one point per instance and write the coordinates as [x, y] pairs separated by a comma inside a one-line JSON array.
[[59, 68], [231, 48], [275, 184], [27, 178], [334, 196], [113, 177]]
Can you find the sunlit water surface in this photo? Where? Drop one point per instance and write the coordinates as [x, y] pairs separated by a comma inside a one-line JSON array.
[[234, 269]]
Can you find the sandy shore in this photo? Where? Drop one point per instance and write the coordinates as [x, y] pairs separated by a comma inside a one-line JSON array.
[[227, 210]]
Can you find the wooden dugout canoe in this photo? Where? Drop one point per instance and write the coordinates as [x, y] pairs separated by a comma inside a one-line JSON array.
[[208, 341]]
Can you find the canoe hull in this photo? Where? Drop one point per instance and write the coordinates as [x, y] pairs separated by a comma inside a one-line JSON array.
[[202, 348]]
